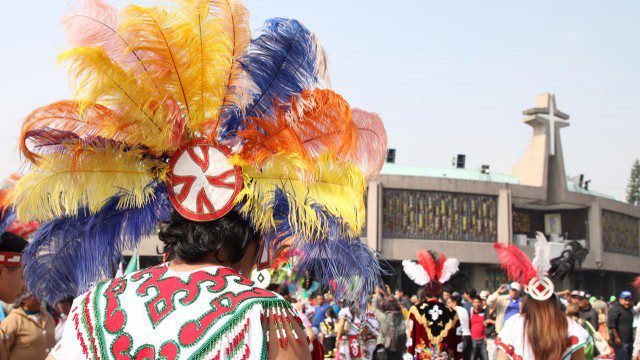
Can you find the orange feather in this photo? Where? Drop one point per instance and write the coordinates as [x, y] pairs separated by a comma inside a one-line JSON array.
[[317, 122], [68, 116]]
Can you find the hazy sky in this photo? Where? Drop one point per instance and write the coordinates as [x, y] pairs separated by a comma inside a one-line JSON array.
[[448, 77]]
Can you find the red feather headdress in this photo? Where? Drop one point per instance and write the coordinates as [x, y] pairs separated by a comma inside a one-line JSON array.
[[431, 272]]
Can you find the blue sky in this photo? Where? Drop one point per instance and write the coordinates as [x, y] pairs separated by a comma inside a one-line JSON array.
[[448, 77]]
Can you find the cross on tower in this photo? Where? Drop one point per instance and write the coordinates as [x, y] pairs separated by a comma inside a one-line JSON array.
[[547, 109]]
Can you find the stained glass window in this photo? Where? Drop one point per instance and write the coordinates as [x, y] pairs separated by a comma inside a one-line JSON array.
[[620, 233], [434, 215]]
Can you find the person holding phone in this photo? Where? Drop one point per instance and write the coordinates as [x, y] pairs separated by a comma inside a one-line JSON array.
[[505, 305]]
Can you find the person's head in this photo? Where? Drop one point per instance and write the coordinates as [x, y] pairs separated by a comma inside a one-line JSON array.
[[330, 313], [11, 274], [515, 290], [573, 311], [626, 299], [453, 301], [30, 303], [446, 295], [584, 302], [477, 303], [319, 300], [574, 297], [548, 325], [415, 300], [399, 294], [228, 240], [64, 306], [469, 294]]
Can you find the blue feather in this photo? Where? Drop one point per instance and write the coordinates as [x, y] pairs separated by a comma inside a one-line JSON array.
[[344, 264], [68, 255], [282, 62], [7, 216]]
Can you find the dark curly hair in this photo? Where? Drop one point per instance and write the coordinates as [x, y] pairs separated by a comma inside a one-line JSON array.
[[191, 241]]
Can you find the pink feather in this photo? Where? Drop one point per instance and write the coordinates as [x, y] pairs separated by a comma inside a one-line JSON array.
[[516, 263], [95, 23], [428, 264], [371, 151]]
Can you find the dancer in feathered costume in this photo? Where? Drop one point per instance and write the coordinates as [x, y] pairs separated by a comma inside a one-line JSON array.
[[541, 330], [432, 325], [12, 244], [238, 145]]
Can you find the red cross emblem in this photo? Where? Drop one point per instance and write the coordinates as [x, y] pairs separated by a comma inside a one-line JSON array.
[[202, 182]]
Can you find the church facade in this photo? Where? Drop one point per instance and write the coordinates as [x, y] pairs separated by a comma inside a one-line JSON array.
[[463, 212]]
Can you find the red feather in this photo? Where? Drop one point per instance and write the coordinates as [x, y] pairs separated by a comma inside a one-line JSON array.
[[428, 264], [516, 263], [636, 284], [440, 265]]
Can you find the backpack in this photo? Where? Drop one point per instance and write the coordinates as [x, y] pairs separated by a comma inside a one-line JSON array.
[[395, 332]]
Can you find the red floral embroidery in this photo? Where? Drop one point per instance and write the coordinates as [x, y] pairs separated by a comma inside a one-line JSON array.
[[121, 349], [115, 318]]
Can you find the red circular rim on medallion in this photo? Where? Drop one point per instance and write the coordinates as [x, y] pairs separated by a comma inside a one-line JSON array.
[[218, 182]]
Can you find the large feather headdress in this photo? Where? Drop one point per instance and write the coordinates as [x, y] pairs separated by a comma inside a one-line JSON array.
[[431, 271], [164, 92], [531, 273]]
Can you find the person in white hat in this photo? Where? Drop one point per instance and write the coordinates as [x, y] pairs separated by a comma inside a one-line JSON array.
[[505, 305]]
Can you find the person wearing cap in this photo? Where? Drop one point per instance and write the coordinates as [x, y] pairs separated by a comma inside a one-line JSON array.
[[505, 306], [587, 312], [621, 325], [11, 280], [28, 331]]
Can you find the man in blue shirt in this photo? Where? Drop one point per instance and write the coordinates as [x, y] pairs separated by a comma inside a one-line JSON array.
[[319, 313], [505, 306]]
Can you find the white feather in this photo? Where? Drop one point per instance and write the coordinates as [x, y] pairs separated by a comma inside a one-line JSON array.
[[449, 268], [542, 261], [416, 272]]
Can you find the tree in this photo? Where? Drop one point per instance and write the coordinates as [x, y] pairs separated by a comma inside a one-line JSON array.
[[633, 188]]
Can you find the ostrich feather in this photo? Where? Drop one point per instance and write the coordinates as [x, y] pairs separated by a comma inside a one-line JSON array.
[[439, 265], [188, 49], [569, 260], [371, 150], [542, 260], [62, 122], [326, 252], [318, 122], [96, 23], [69, 254], [338, 186], [282, 62], [516, 263], [233, 19], [426, 260], [636, 284], [144, 115], [84, 178], [450, 267], [415, 272]]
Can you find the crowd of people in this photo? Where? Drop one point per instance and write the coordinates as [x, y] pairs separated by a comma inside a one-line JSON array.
[[342, 332]]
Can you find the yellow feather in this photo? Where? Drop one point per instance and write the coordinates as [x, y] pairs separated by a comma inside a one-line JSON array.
[[189, 51], [143, 114], [85, 178], [338, 186], [235, 87]]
